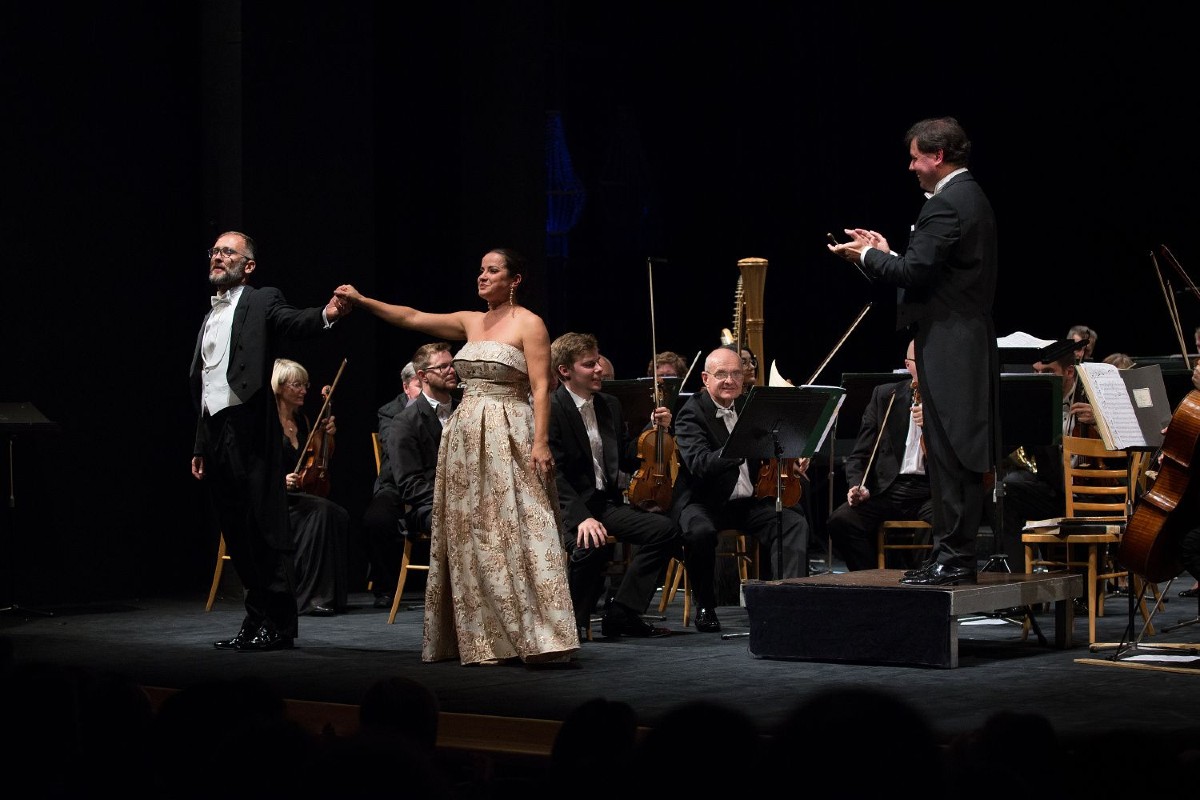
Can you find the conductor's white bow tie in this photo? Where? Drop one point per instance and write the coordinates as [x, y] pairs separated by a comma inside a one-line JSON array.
[[726, 412], [220, 300]]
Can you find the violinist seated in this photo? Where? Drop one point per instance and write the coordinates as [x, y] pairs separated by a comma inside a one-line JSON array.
[[319, 527], [885, 471], [667, 364], [714, 493], [590, 445], [1034, 486], [403, 496]]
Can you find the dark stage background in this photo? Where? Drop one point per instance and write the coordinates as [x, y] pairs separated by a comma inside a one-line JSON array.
[[390, 145]]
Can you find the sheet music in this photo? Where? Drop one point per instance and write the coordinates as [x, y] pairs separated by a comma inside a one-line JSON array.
[[1112, 405], [1022, 340]]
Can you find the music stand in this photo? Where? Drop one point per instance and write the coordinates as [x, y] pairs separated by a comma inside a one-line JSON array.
[[17, 419], [783, 422], [637, 397]]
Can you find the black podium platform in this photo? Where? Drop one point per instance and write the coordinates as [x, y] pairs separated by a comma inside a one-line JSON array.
[[868, 616]]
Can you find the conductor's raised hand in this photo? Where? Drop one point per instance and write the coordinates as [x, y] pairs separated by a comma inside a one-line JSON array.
[[851, 250]]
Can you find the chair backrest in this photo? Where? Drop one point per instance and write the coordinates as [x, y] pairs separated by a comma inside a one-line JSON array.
[[378, 448], [1099, 481]]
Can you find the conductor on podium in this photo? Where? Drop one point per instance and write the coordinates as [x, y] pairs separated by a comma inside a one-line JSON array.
[[947, 282]]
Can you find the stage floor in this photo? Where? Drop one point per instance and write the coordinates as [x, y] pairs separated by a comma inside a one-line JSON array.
[[166, 642]]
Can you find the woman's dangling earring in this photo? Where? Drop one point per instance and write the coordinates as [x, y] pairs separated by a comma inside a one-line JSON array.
[[512, 291]]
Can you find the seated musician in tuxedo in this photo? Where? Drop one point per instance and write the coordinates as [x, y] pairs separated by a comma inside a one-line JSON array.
[[589, 444], [403, 501], [896, 486], [383, 541], [1033, 483], [714, 493]]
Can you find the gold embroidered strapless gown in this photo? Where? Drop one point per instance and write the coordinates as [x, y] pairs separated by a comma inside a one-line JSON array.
[[497, 584]]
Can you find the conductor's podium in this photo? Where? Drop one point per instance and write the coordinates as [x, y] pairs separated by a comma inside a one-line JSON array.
[[869, 617]]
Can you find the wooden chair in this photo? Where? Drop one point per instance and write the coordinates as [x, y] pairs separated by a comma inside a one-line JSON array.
[[1100, 486], [902, 535], [222, 557], [406, 560], [676, 574]]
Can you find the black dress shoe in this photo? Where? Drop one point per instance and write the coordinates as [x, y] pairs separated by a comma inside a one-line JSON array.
[[940, 575], [706, 621], [266, 638], [321, 611], [383, 601], [232, 644], [614, 624], [1192, 592], [912, 573]]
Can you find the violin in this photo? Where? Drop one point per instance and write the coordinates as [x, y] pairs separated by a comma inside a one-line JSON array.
[[314, 469], [651, 486], [313, 466], [785, 473], [789, 481]]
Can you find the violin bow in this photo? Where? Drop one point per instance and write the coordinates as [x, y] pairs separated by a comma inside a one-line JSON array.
[[1169, 297], [882, 429], [689, 372], [321, 416], [653, 338], [838, 346]]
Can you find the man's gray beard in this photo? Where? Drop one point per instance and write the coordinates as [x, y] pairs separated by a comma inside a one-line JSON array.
[[231, 277]]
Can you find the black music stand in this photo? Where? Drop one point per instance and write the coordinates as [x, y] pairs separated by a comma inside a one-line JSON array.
[[637, 397], [19, 419], [783, 422], [1030, 415]]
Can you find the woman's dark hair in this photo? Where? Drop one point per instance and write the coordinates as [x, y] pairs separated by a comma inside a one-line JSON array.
[[514, 262]]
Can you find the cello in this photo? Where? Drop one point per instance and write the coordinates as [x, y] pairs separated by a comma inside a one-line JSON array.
[[652, 484], [1167, 510], [313, 466]]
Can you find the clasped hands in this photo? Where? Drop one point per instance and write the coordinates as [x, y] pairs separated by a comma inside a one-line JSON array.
[[343, 301]]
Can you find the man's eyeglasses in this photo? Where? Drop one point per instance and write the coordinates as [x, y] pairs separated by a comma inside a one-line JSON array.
[[224, 252], [297, 385], [749, 361], [441, 368], [732, 375]]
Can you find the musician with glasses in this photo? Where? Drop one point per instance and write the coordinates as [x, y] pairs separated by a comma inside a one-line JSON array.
[[713, 493], [238, 453], [885, 471], [402, 504]]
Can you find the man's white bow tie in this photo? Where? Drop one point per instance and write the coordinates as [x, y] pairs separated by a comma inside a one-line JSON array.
[[726, 412], [220, 300]]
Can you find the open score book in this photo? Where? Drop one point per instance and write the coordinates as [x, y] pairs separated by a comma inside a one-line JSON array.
[[1130, 405]]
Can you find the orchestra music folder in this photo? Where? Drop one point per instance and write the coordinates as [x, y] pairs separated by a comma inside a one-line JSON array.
[[1130, 405]]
